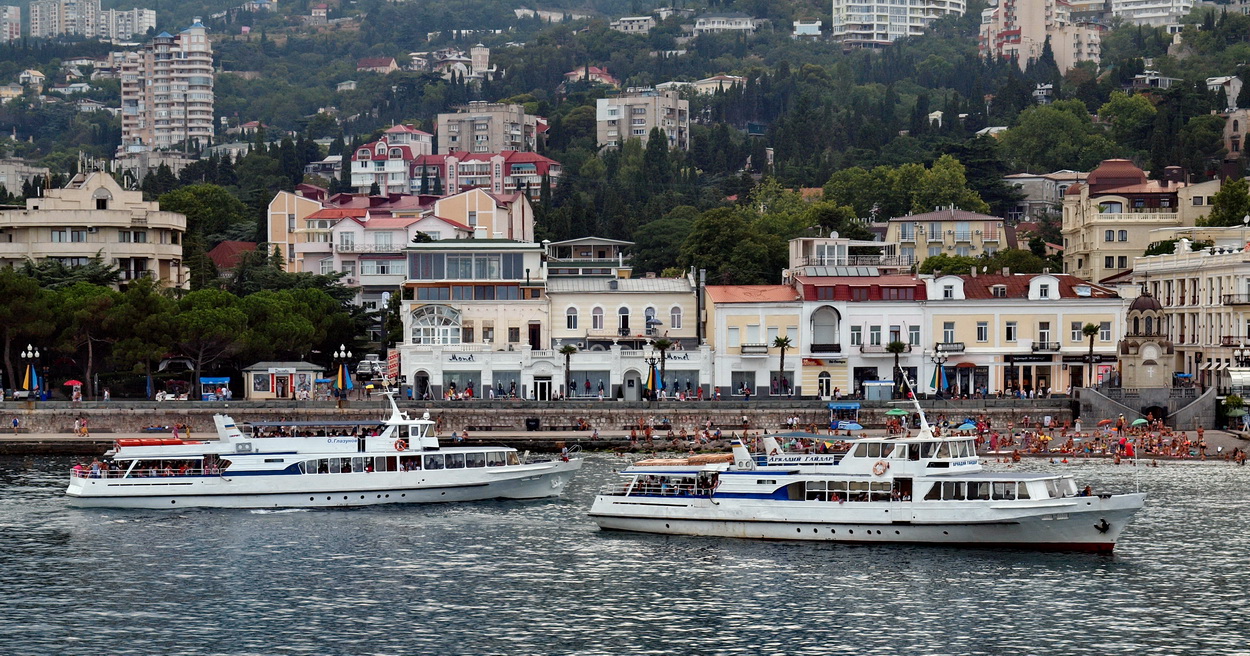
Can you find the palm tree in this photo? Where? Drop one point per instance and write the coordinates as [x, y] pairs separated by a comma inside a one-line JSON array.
[[896, 347], [662, 345], [567, 351], [1089, 331], [784, 344]]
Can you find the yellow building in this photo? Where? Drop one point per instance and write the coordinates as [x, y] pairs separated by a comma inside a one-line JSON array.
[[745, 321], [948, 232]]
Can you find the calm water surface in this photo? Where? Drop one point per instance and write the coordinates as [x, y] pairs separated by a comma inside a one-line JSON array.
[[540, 578]]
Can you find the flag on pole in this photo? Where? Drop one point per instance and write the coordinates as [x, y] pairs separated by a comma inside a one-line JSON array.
[[343, 380], [32, 378], [939, 378], [650, 386]]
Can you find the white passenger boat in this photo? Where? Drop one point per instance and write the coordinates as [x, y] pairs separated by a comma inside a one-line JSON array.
[[313, 465], [920, 489]]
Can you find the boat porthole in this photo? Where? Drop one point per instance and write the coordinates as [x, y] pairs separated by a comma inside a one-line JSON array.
[[312, 498], [897, 533], [327, 498], [814, 530], [404, 494], [345, 497], [878, 531], [831, 531], [173, 501], [362, 496], [379, 496], [851, 531], [667, 526], [388, 496], [798, 530], [443, 493], [946, 532]]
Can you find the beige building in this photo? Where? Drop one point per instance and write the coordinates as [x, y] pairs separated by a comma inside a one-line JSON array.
[[48, 18], [1018, 29], [16, 172], [632, 115], [633, 24], [1107, 221], [1205, 299], [91, 215], [482, 127], [167, 92], [745, 322], [285, 216], [878, 23], [948, 232]]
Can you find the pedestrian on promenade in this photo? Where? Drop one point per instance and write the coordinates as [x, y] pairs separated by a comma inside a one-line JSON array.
[[107, 395], [16, 424]]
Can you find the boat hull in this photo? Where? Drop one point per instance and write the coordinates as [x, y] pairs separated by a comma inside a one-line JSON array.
[[1074, 526], [319, 491]]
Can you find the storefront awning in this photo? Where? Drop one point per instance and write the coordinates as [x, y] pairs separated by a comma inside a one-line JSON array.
[[1220, 366], [844, 406], [1239, 378], [1205, 366], [214, 381]]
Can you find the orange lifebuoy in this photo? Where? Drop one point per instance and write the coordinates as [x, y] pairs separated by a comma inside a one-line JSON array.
[[880, 468], [401, 445]]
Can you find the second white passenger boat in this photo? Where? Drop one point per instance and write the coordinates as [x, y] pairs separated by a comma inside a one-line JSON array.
[[920, 489], [399, 461]]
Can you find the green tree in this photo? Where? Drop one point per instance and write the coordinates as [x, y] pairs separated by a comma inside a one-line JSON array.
[[1130, 118], [657, 245], [25, 315], [276, 329], [209, 327], [83, 316], [943, 185], [52, 273], [210, 209], [143, 320], [1056, 136], [1090, 330], [1230, 204], [783, 344], [567, 351]]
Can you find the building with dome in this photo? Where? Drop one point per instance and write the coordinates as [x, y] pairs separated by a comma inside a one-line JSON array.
[[1107, 220], [1147, 357]]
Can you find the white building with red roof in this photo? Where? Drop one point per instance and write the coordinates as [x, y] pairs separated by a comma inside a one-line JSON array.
[[387, 162], [505, 172]]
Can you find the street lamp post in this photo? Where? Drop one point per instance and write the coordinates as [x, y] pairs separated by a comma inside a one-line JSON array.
[[31, 356], [938, 359], [1241, 355], [651, 360], [341, 357]]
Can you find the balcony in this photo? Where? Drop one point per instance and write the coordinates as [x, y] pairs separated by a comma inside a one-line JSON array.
[[949, 347], [369, 248], [1046, 347], [859, 260], [1236, 299], [755, 349], [880, 349], [1233, 340], [826, 348]]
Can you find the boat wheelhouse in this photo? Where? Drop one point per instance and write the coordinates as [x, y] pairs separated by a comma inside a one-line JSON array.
[[307, 464]]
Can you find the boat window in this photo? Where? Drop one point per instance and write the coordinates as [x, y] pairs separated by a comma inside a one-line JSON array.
[[874, 450], [861, 450], [978, 491], [323, 466], [513, 459], [358, 465], [1052, 489], [410, 463], [1005, 491], [384, 463], [475, 459], [494, 459], [953, 491], [434, 461], [1024, 491], [944, 450], [455, 461], [927, 449], [887, 449], [934, 493], [900, 451]]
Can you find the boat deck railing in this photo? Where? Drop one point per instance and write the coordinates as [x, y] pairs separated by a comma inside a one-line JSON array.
[[654, 490], [144, 473]]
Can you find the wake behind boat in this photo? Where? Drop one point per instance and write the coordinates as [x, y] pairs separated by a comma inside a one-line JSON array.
[[397, 461], [922, 489]]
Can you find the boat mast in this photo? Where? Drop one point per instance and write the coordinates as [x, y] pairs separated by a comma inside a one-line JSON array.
[[926, 431]]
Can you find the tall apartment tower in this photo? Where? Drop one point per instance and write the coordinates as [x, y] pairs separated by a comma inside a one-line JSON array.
[[167, 91], [10, 23], [632, 115], [484, 127], [49, 18], [1018, 29], [125, 23], [878, 23]]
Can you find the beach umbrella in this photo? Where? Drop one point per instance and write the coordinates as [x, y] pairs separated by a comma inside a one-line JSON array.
[[1139, 422], [967, 426], [849, 425], [1105, 422], [896, 412], [73, 382], [1237, 412]]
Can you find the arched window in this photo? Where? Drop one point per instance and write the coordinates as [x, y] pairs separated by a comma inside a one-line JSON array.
[[674, 318], [435, 324], [596, 319], [381, 149], [1137, 326], [1150, 325], [622, 320], [823, 384], [570, 318], [397, 153], [651, 322], [825, 329]]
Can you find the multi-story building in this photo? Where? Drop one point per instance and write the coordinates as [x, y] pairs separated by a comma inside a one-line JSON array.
[[93, 215], [10, 23], [1204, 295], [167, 91], [50, 18], [388, 161], [949, 232], [878, 23], [1018, 29], [1008, 332], [506, 172], [633, 24], [745, 322], [482, 127], [1108, 219], [1151, 13], [716, 83], [16, 172], [1236, 123], [718, 23], [118, 24], [1043, 193], [633, 114]]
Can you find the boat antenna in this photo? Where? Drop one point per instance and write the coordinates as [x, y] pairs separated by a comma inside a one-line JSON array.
[[925, 429]]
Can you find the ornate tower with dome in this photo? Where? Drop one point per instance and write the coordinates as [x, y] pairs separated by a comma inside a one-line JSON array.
[[1147, 358]]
